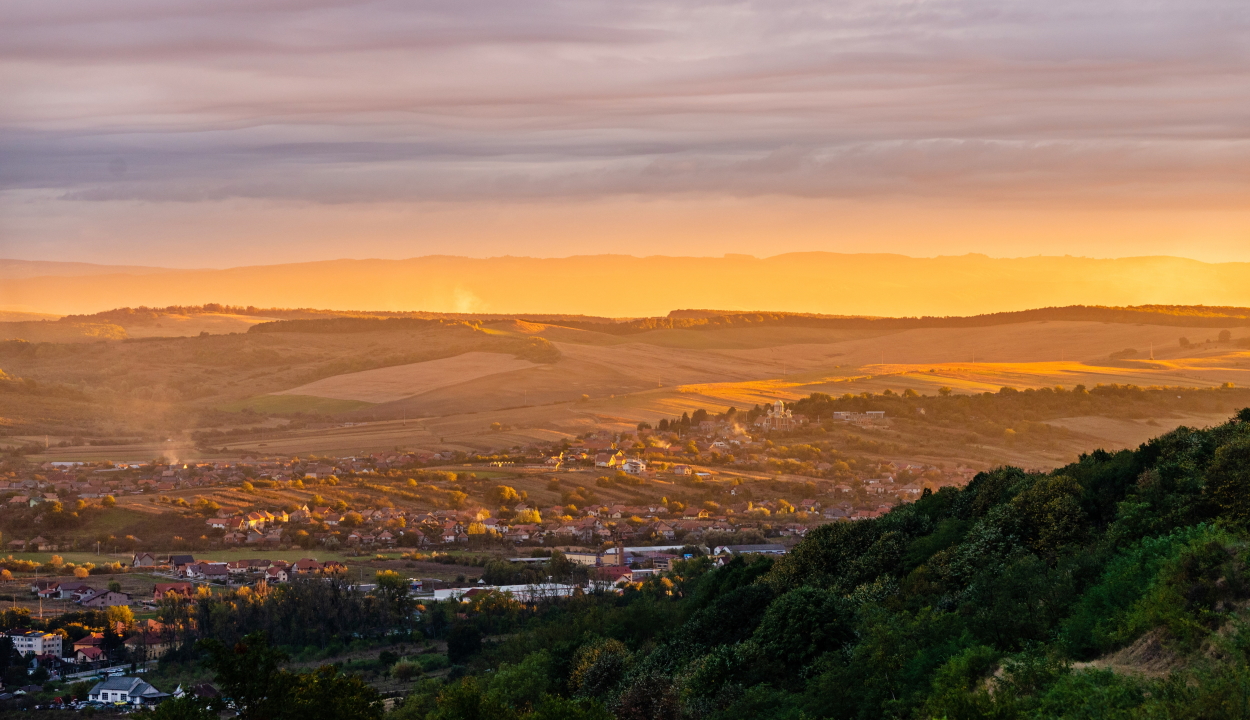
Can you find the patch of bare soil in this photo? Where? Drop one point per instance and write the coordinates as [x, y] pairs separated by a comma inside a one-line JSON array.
[[1148, 656]]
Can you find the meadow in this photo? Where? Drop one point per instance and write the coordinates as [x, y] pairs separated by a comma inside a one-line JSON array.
[[318, 384]]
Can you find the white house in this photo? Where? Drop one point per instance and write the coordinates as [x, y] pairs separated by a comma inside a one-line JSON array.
[[129, 690], [634, 467]]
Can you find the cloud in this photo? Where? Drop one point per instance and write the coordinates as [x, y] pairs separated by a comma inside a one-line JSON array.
[[359, 101]]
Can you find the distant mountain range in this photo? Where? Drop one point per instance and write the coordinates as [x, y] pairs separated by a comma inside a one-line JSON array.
[[624, 286]]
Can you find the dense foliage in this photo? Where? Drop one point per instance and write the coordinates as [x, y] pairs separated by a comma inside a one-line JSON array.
[[1187, 315], [1113, 587], [255, 687]]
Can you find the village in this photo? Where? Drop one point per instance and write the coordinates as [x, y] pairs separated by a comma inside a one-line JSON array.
[[698, 476], [617, 508]]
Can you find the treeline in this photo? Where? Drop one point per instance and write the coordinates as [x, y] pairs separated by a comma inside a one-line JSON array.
[[1011, 405], [305, 613], [337, 325], [969, 603], [1188, 315]]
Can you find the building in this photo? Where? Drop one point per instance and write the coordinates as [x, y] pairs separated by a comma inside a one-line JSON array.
[[143, 560], [180, 590], [769, 549], [860, 418], [105, 599], [36, 643], [128, 690], [89, 654], [779, 417], [609, 459], [634, 467], [148, 645]]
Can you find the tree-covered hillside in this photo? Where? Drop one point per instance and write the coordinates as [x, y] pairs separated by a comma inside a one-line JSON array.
[[1113, 587]]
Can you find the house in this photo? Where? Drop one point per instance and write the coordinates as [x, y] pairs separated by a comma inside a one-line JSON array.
[[180, 590], [180, 562], [218, 523], [211, 571], [89, 654], [609, 459], [306, 566], [276, 575], [663, 562], [128, 690], [143, 560], [34, 642], [634, 467], [682, 470], [105, 599], [148, 645], [202, 690], [95, 639], [74, 591], [613, 574], [39, 587]]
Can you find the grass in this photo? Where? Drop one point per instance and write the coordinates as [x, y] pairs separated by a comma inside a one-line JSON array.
[[288, 404]]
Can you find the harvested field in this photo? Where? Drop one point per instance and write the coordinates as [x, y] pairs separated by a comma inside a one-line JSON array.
[[400, 381], [188, 325]]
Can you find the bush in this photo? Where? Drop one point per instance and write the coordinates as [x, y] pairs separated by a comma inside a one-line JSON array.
[[432, 661], [405, 671]]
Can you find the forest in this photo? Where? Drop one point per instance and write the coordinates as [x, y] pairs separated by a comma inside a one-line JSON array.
[[1113, 587]]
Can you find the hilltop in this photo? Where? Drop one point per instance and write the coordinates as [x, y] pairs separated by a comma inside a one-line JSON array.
[[132, 383], [606, 285]]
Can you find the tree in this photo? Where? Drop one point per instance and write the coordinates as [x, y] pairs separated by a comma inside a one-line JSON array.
[[188, 707], [108, 501], [352, 519], [1052, 513], [114, 586], [504, 495], [463, 642], [249, 674], [204, 506], [120, 614], [599, 667], [1228, 481], [79, 572], [394, 589], [1225, 336]]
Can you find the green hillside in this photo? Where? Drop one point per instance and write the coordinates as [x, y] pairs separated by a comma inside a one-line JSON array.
[[1114, 587]]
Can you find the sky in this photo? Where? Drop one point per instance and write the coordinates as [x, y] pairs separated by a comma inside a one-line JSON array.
[[184, 133]]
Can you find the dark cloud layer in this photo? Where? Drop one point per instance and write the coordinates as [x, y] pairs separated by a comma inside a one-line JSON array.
[[357, 101]]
